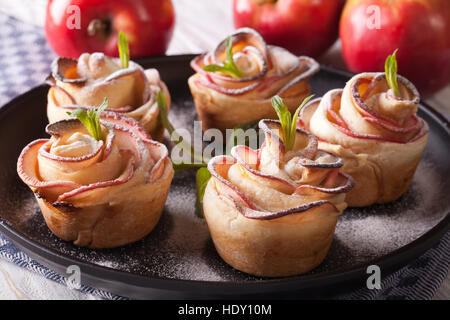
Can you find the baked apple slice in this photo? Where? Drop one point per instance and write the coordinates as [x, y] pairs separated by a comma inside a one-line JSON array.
[[372, 124], [131, 90], [99, 183], [234, 83], [272, 212]]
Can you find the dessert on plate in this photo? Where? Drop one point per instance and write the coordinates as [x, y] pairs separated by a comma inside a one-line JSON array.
[[272, 212], [99, 183], [131, 91], [234, 83], [372, 124]]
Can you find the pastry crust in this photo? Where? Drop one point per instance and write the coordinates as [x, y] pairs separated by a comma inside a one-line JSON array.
[[99, 194], [273, 213], [379, 136], [88, 80], [223, 102]]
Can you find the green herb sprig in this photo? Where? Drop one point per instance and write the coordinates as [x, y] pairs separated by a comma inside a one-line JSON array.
[[288, 122], [201, 178], [185, 146], [203, 175], [390, 67], [91, 119], [124, 50], [228, 66]]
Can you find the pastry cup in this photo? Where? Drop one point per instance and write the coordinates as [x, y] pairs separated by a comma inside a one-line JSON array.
[[99, 194], [270, 221], [224, 102], [87, 81], [379, 136]]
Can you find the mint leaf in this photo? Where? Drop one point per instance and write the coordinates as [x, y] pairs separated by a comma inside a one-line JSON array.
[[164, 113], [390, 68], [91, 119], [202, 177], [228, 67], [295, 117], [222, 69], [97, 115], [287, 121], [186, 147], [124, 51]]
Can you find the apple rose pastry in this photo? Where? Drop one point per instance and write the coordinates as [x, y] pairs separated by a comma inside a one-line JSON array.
[[272, 212], [234, 83], [131, 91], [99, 193], [375, 131]]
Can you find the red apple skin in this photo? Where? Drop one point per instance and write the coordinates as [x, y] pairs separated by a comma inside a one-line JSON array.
[[304, 27], [419, 29], [148, 25]]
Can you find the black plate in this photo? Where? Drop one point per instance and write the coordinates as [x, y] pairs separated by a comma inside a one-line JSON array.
[[178, 259]]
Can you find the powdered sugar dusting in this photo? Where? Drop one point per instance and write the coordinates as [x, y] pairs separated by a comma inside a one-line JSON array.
[[369, 233], [380, 229]]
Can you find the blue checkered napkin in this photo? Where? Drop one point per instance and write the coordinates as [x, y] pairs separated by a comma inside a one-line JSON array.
[[418, 280], [24, 63], [9, 252], [24, 57]]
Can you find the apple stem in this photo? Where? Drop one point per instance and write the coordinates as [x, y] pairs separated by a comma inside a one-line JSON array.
[[98, 26], [266, 1]]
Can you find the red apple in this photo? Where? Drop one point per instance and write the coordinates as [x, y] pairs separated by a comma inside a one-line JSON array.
[[370, 30], [76, 26], [307, 27]]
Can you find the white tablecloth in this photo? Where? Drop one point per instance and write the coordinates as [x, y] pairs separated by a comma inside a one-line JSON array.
[[192, 18]]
